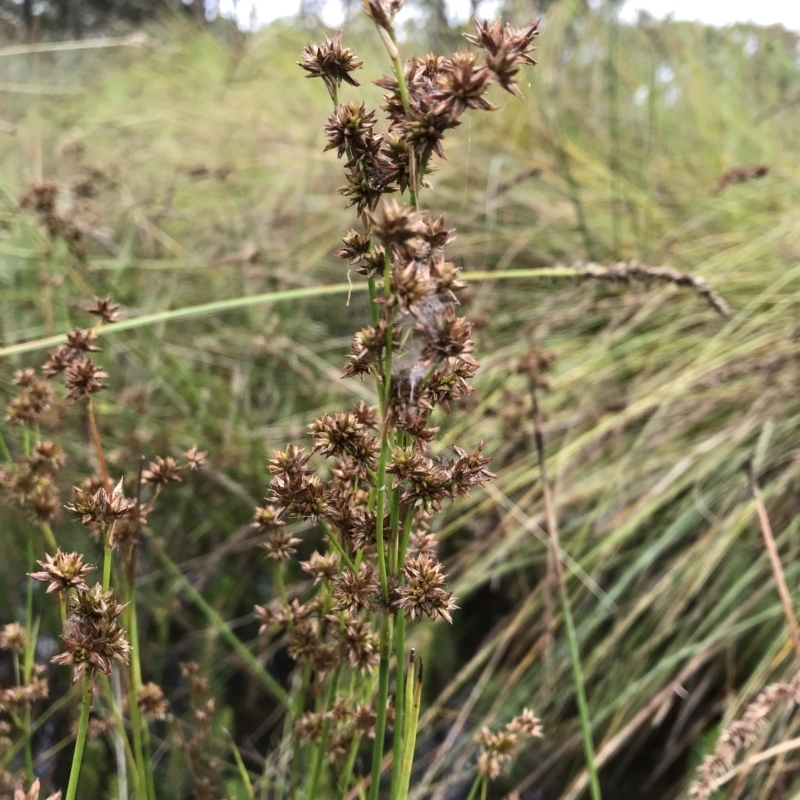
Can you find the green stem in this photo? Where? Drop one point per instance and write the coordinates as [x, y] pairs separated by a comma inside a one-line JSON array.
[[319, 749], [26, 723], [300, 702], [334, 542], [580, 695], [394, 541], [108, 557], [382, 703], [373, 309], [217, 307], [401, 553], [141, 732], [80, 740], [27, 667], [120, 730], [347, 772], [49, 538], [282, 591], [400, 703], [414, 690], [479, 779]]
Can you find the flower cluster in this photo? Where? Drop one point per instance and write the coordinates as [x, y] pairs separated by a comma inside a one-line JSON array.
[[372, 478], [42, 199], [499, 748], [93, 636], [421, 105], [31, 481]]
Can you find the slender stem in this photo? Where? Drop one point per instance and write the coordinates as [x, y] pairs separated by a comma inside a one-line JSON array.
[[282, 590], [300, 702], [400, 702], [334, 542], [479, 779], [572, 638], [108, 557], [4, 451], [243, 773], [347, 772], [120, 730], [413, 703], [775, 559], [407, 525], [141, 733], [394, 522], [80, 740], [26, 724], [97, 444], [380, 511], [373, 309], [580, 696], [319, 749], [382, 703], [49, 538], [27, 667]]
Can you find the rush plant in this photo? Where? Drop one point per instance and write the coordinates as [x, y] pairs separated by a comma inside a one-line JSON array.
[[372, 481]]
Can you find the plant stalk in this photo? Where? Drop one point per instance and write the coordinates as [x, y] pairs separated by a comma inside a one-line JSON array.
[[80, 740]]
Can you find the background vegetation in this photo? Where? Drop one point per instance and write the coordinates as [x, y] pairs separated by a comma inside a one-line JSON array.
[[192, 158]]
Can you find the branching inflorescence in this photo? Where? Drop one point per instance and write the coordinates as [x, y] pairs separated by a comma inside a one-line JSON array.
[[371, 480]]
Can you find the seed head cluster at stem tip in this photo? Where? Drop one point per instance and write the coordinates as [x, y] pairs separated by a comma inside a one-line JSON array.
[[372, 480]]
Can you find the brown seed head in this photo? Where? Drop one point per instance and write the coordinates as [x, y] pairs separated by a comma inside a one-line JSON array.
[[423, 592], [105, 309], [364, 718], [81, 340], [397, 224], [46, 457], [382, 12], [267, 518], [100, 507], [151, 701], [34, 398], [353, 591], [310, 726], [461, 86], [331, 62], [161, 472], [280, 545], [355, 245], [195, 458], [24, 378], [526, 724], [83, 378], [350, 127], [12, 637], [63, 572], [324, 568], [33, 793]]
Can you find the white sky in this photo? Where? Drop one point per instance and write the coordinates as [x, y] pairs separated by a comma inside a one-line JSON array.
[[252, 13]]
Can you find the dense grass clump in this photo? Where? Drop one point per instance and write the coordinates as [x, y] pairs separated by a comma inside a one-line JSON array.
[[628, 237]]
